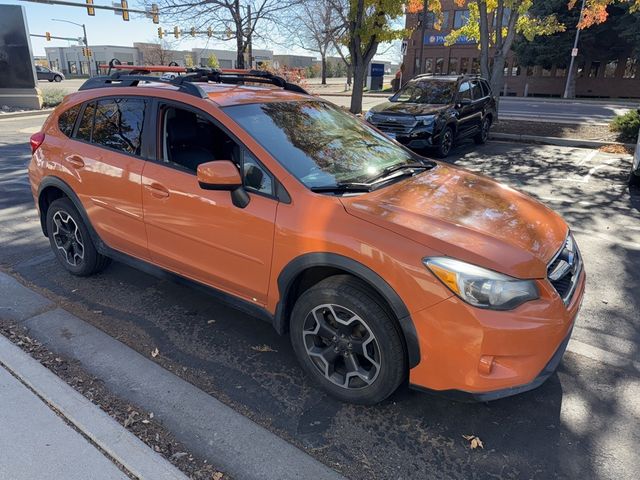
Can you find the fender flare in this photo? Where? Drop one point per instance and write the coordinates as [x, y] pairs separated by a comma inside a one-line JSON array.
[[299, 264], [52, 181]]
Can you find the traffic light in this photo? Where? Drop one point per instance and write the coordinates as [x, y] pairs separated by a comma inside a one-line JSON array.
[[125, 10], [47, 35], [155, 13], [209, 32], [176, 32], [90, 10], [160, 33]]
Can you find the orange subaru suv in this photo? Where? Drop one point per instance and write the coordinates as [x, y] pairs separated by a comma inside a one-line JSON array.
[[381, 265]]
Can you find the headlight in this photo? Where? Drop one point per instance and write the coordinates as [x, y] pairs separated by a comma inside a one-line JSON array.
[[481, 287], [368, 115], [426, 120]]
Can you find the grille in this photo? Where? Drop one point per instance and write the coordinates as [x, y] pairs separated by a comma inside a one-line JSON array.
[[565, 268], [397, 124]]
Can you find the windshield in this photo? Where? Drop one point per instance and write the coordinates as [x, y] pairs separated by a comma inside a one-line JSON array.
[[426, 91], [318, 143]]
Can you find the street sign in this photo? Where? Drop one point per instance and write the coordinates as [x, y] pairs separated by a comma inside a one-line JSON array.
[[574, 52]]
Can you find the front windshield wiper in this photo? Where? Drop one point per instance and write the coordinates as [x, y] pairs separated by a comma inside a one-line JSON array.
[[342, 188], [411, 167]]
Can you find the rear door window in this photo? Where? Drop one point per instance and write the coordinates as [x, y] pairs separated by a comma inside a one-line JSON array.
[[67, 120], [476, 90], [464, 91], [118, 124], [86, 123]]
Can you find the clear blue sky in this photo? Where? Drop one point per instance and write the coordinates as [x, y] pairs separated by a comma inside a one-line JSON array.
[[107, 28]]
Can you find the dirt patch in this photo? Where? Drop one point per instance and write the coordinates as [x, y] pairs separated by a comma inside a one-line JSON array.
[[133, 418], [558, 130]]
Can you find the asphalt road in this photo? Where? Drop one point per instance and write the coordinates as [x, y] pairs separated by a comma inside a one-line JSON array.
[[535, 109], [582, 423]]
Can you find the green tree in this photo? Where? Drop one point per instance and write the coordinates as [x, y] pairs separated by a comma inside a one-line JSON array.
[[212, 61]]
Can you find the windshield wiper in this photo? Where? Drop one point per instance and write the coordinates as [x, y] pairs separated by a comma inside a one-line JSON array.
[[343, 188], [404, 166]]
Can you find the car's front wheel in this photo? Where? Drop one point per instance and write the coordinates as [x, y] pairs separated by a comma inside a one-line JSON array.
[[347, 341], [70, 240], [50, 80], [483, 135], [57, 78], [446, 142]]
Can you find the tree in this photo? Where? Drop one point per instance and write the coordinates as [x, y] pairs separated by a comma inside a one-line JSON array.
[[366, 23], [212, 61], [237, 19], [157, 52], [188, 60], [313, 26]]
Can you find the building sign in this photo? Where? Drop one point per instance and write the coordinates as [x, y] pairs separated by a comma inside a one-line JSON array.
[[16, 61], [439, 40], [377, 69]]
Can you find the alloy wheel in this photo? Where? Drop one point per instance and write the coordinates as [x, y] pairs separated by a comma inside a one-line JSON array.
[[484, 133], [67, 238], [447, 141], [341, 346]]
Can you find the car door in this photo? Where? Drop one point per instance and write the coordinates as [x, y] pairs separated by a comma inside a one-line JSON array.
[[105, 157], [200, 233], [464, 108], [477, 107]]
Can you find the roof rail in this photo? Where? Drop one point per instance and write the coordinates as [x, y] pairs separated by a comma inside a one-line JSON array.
[[131, 75]]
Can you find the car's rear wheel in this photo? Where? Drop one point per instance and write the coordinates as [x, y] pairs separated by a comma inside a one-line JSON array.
[[57, 78], [347, 342], [51, 80], [483, 135], [70, 240], [446, 142]]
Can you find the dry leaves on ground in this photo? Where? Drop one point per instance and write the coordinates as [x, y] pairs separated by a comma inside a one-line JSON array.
[[263, 348], [154, 353], [474, 441], [620, 149]]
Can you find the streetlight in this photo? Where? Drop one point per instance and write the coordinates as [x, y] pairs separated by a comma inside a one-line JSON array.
[[84, 30]]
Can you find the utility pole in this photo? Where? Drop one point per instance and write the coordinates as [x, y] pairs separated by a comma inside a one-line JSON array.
[[569, 91], [249, 35], [84, 39]]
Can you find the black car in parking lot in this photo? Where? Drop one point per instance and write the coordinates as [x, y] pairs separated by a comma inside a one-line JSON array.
[[44, 73], [434, 111]]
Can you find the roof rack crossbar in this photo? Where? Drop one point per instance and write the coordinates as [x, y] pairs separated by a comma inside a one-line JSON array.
[[124, 80]]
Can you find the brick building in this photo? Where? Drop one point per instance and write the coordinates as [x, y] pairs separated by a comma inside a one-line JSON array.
[[596, 79]]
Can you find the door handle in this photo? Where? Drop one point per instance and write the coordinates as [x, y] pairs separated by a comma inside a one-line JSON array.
[[75, 161], [158, 190]]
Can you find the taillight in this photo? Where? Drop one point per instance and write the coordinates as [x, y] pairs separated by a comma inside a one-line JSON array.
[[36, 140]]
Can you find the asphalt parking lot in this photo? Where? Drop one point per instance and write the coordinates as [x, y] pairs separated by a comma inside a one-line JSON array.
[[582, 423]]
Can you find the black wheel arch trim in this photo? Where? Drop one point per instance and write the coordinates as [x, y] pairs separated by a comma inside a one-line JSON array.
[[298, 265]]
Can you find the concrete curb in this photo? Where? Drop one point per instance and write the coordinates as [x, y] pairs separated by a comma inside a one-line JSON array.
[[206, 426], [27, 113], [561, 142], [104, 431]]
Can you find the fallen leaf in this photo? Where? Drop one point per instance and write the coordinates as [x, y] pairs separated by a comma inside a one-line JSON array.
[[131, 419], [150, 414], [178, 455], [97, 311], [154, 353], [217, 476], [145, 421], [263, 348], [475, 441], [211, 321]]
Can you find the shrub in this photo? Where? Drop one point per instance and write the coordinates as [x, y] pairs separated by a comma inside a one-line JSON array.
[[52, 96], [627, 126]]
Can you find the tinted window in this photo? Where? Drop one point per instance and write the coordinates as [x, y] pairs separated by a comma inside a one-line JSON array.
[[426, 91], [118, 124], [256, 177], [476, 90], [464, 91], [67, 120], [318, 143], [86, 123]]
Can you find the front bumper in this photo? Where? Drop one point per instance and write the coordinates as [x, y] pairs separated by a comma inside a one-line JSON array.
[[474, 354], [417, 138]]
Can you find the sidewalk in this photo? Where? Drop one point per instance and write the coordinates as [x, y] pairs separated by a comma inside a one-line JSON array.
[[37, 441]]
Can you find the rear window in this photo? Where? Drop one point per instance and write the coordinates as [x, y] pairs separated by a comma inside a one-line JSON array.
[[67, 120], [118, 124]]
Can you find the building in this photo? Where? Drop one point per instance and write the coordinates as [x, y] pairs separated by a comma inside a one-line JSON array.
[[228, 58], [292, 61], [428, 54]]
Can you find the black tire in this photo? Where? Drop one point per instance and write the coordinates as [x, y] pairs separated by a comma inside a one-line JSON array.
[[634, 180], [57, 78], [483, 135], [70, 240], [347, 296], [51, 80], [446, 142]]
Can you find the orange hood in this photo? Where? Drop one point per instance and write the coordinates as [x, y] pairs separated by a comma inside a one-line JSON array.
[[468, 217]]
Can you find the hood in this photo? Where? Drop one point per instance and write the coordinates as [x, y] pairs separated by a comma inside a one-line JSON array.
[[469, 217], [401, 108]]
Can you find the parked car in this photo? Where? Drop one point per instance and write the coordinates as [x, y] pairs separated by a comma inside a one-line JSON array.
[[378, 263], [432, 112], [44, 73], [634, 175]]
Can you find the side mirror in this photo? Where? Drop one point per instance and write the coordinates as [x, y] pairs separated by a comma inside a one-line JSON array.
[[223, 175]]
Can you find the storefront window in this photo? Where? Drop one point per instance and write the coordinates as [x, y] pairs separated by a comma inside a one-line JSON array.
[[610, 69], [84, 68], [460, 18], [464, 65], [453, 66], [416, 66], [431, 21], [530, 71], [546, 72], [561, 71], [73, 68], [515, 68], [630, 68], [428, 65], [594, 69], [475, 65], [439, 65]]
